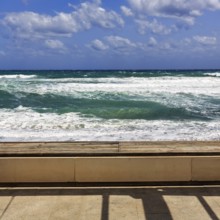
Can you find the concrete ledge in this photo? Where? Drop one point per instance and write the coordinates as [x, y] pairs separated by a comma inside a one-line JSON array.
[[110, 169], [109, 161], [37, 169], [133, 169], [206, 168], [91, 148]]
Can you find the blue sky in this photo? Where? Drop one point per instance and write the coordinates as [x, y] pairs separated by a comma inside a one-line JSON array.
[[104, 34]]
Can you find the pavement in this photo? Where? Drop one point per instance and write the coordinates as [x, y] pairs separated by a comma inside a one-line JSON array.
[[110, 203]]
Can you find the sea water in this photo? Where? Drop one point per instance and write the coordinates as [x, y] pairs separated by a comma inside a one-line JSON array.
[[109, 105]]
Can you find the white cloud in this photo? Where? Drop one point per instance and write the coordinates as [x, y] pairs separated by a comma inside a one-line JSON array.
[[120, 42], [98, 45], [187, 41], [85, 16], [92, 14], [126, 11], [55, 44], [117, 44], [179, 9], [152, 42], [30, 24], [154, 26], [168, 46], [205, 40]]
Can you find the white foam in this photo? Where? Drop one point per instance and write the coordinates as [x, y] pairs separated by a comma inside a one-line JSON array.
[[184, 92], [217, 74], [23, 124], [132, 85], [17, 76]]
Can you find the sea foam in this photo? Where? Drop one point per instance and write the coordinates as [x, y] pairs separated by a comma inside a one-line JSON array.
[[17, 76], [47, 107]]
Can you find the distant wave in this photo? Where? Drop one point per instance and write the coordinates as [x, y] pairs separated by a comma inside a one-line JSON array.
[[17, 76], [95, 74], [106, 108], [216, 74]]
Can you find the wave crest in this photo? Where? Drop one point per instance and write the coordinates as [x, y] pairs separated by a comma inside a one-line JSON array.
[[17, 76], [216, 74]]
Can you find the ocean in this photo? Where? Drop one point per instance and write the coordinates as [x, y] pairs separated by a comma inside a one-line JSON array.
[[114, 105]]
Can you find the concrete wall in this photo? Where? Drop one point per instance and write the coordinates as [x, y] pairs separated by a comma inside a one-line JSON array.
[[110, 169]]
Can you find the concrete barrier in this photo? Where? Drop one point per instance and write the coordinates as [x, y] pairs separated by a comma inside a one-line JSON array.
[[30, 169], [206, 168], [132, 169], [110, 169]]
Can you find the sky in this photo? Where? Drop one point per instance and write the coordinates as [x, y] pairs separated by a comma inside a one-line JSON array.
[[106, 34]]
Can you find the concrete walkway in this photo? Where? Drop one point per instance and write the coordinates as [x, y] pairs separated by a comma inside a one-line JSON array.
[[108, 203]]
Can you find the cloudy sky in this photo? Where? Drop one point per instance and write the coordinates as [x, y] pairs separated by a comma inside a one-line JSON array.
[[106, 34]]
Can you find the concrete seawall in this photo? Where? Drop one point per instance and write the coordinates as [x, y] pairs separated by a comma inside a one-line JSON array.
[[109, 162]]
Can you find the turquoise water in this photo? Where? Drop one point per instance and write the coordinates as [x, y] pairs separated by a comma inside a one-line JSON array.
[[110, 105]]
